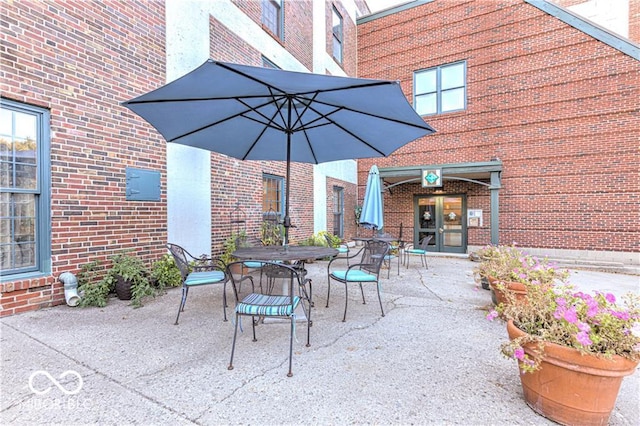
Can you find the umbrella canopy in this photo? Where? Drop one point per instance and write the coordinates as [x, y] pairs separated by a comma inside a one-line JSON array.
[[371, 215], [254, 113]]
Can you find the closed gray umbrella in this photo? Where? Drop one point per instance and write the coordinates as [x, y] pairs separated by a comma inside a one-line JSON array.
[[254, 113]]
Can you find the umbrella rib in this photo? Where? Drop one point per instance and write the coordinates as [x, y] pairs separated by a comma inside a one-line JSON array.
[[240, 114]]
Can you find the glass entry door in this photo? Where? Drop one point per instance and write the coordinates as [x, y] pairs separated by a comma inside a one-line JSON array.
[[442, 217]]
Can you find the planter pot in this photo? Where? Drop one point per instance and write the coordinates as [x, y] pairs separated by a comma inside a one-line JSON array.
[[570, 388], [518, 288], [123, 289]]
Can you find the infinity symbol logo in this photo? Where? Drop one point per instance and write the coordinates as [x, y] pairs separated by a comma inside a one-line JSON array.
[[55, 382]]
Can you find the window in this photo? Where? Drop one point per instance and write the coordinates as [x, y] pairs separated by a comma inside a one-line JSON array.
[[441, 89], [337, 35], [268, 64], [24, 189], [338, 211], [272, 197], [272, 16]]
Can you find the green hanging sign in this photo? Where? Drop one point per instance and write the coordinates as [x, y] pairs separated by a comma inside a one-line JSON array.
[[431, 178]]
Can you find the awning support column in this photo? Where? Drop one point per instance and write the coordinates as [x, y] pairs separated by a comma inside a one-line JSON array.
[[495, 207]]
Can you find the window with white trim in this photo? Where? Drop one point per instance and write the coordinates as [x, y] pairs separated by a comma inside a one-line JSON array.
[[440, 89]]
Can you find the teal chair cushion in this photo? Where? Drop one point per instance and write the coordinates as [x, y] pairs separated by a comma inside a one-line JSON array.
[[263, 304], [417, 251], [342, 250], [253, 265], [355, 275], [207, 277]]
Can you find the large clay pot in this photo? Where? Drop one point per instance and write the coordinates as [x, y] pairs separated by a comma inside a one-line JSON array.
[[571, 388], [519, 289]]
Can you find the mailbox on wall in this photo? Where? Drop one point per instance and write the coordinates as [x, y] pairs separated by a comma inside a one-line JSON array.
[[474, 218]]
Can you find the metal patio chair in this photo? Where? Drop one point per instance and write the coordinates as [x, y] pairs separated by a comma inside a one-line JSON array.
[[197, 272], [366, 271], [343, 249], [267, 299], [421, 250]]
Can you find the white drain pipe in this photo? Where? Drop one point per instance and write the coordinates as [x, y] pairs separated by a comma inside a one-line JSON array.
[[70, 288]]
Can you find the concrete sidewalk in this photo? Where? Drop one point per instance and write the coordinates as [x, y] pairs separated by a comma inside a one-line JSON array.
[[433, 359]]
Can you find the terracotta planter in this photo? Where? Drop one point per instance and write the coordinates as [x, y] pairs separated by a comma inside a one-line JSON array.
[[518, 288], [570, 388]]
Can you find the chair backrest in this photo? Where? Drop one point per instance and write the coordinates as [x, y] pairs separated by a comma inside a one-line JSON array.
[[328, 238], [373, 256], [180, 256], [266, 280], [424, 243]]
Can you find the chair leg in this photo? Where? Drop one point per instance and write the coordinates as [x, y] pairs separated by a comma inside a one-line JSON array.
[[253, 327], [379, 298], [293, 319], [346, 301], [364, 302], [233, 345], [185, 291], [328, 291], [224, 300]]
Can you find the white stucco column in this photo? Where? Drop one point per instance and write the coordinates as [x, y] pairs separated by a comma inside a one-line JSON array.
[[188, 169]]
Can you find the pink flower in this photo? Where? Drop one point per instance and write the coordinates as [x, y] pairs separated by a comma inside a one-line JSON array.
[[570, 315], [492, 315], [519, 354], [610, 298], [583, 338]]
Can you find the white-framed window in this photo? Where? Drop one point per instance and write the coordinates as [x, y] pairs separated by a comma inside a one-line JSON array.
[[440, 89], [25, 241], [272, 16], [338, 35]]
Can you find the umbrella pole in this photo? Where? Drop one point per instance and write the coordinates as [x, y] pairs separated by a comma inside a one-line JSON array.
[[287, 219]]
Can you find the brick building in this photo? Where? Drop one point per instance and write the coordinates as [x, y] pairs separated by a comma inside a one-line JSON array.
[[537, 119], [72, 157]]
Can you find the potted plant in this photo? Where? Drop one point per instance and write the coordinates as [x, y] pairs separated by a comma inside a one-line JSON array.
[[573, 349], [508, 267], [130, 278]]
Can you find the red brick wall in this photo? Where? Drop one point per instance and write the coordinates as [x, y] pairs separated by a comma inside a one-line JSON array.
[[350, 38], [80, 60], [298, 26], [559, 108], [350, 199], [234, 181]]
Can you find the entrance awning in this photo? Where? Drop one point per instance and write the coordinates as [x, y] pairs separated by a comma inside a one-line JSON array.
[[484, 173]]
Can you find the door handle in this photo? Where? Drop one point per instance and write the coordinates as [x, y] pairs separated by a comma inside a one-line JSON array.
[[440, 230]]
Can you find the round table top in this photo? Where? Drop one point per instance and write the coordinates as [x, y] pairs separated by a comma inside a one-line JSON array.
[[271, 253]]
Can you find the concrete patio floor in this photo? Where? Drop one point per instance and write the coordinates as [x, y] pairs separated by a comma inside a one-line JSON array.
[[433, 359]]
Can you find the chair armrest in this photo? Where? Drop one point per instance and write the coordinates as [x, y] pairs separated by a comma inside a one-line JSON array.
[[344, 257]]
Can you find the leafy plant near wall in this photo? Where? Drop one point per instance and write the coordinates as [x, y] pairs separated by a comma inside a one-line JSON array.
[[165, 273], [271, 233], [93, 291], [233, 241], [357, 212]]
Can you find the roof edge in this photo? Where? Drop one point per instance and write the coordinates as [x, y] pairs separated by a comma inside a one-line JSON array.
[[391, 11], [588, 27]]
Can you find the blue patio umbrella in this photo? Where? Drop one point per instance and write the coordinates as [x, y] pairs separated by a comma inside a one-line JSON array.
[[371, 215], [254, 113]]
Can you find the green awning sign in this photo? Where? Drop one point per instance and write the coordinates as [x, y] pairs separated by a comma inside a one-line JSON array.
[[431, 178]]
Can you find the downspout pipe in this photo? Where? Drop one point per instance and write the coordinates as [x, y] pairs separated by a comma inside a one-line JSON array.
[[70, 288]]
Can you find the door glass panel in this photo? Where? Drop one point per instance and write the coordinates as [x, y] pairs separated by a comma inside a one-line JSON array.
[[427, 212], [452, 221]]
